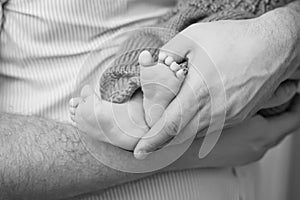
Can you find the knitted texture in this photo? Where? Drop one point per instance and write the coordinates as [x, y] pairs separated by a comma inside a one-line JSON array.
[[122, 78]]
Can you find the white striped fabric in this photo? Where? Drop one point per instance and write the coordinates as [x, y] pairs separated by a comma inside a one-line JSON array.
[[48, 48], [186, 185]]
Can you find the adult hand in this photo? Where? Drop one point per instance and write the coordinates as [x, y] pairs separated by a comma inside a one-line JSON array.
[[245, 143], [237, 64]]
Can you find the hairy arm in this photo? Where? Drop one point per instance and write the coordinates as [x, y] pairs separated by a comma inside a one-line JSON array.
[[43, 159], [281, 27], [256, 54]]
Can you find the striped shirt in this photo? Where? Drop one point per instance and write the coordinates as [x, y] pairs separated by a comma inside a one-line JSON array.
[[50, 48]]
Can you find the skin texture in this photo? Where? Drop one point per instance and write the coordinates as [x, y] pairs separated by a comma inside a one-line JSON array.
[[123, 125], [44, 159], [248, 141], [160, 84], [268, 52], [118, 124]]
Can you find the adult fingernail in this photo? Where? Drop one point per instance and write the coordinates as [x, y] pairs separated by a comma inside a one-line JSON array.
[[141, 155]]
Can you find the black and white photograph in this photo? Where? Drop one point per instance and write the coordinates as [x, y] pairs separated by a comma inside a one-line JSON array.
[[149, 99]]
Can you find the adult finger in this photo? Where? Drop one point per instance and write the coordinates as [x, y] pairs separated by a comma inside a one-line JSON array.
[[181, 110], [296, 75], [179, 47], [201, 90], [285, 123], [285, 92]]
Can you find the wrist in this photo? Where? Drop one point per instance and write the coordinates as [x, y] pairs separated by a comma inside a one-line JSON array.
[[278, 31], [282, 23]]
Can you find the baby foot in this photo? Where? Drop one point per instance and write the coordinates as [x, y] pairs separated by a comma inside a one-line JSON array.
[[82, 113], [121, 125], [160, 82]]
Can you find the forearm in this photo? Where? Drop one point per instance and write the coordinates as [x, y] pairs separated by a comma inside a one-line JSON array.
[[275, 45], [41, 159]]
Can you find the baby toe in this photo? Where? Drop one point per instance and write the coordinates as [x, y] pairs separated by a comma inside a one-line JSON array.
[[74, 102], [169, 60], [162, 56], [145, 59], [181, 73], [175, 67], [176, 56], [74, 123], [73, 118], [72, 110]]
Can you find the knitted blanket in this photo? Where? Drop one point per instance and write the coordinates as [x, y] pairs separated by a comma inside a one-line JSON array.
[[122, 78]]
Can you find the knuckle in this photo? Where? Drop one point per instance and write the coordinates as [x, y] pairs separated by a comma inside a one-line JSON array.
[[254, 158], [273, 142], [258, 147], [151, 146], [171, 129], [258, 157], [267, 141]]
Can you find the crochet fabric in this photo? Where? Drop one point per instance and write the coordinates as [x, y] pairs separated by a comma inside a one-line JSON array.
[[121, 80]]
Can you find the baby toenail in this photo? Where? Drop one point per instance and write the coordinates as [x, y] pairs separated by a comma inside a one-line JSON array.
[[169, 60], [180, 73], [72, 102], [174, 66]]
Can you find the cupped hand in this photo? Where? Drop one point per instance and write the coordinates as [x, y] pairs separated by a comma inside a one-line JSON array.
[[234, 69], [246, 143]]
